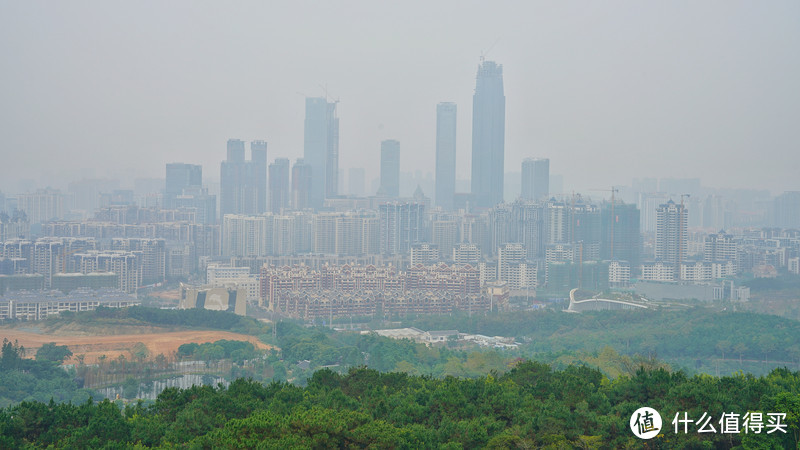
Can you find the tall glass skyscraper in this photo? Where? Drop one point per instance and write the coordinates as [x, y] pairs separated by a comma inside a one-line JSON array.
[[279, 185], [321, 148], [488, 135], [445, 155], [243, 184]]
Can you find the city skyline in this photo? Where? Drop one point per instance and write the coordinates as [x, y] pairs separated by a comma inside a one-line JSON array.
[[668, 94]]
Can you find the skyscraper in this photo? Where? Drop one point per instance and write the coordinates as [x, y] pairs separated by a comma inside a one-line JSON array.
[[488, 135], [321, 148], [243, 184], [302, 178], [445, 155], [622, 240], [671, 235], [535, 178], [390, 169], [279, 185], [258, 166], [181, 176]]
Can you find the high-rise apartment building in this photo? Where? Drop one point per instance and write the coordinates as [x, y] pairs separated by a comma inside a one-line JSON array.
[[247, 236], [671, 235], [42, 205], [243, 184], [720, 247], [488, 135], [390, 169], [622, 240], [321, 148], [444, 233], [445, 155], [466, 254], [535, 178], [279, 185], [401, 226]]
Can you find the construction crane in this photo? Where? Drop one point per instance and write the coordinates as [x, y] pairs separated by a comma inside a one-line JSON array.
[[484, 54]]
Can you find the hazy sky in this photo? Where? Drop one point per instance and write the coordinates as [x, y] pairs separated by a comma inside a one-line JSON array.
[[607, 90]]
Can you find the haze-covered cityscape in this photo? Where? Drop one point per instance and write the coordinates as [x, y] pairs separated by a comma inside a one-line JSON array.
[[310, 194]]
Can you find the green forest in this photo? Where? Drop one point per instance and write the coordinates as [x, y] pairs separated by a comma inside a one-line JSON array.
[[573, 381], [530, 406]]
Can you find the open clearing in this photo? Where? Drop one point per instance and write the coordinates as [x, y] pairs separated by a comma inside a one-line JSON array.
[[112, 346]]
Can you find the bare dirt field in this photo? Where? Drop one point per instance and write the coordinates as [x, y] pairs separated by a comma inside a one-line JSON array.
[[112, 346]]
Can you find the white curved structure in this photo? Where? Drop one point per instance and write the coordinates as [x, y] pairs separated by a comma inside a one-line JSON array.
[[597, 304]]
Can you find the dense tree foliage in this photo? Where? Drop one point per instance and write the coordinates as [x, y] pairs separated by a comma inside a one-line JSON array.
[[223, 349], [530, 406], [27, 379], [697, 333], [53, 353]]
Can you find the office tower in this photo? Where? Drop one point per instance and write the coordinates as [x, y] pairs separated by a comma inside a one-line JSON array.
[[258, 166], [622, 240], [488, 135], [390, 169], [401, 226], [321, 148], [535, 179], [671, 234], [279, 185], [445, 155], [243, 184], [301, 184], [180, 176], [356, 177]]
